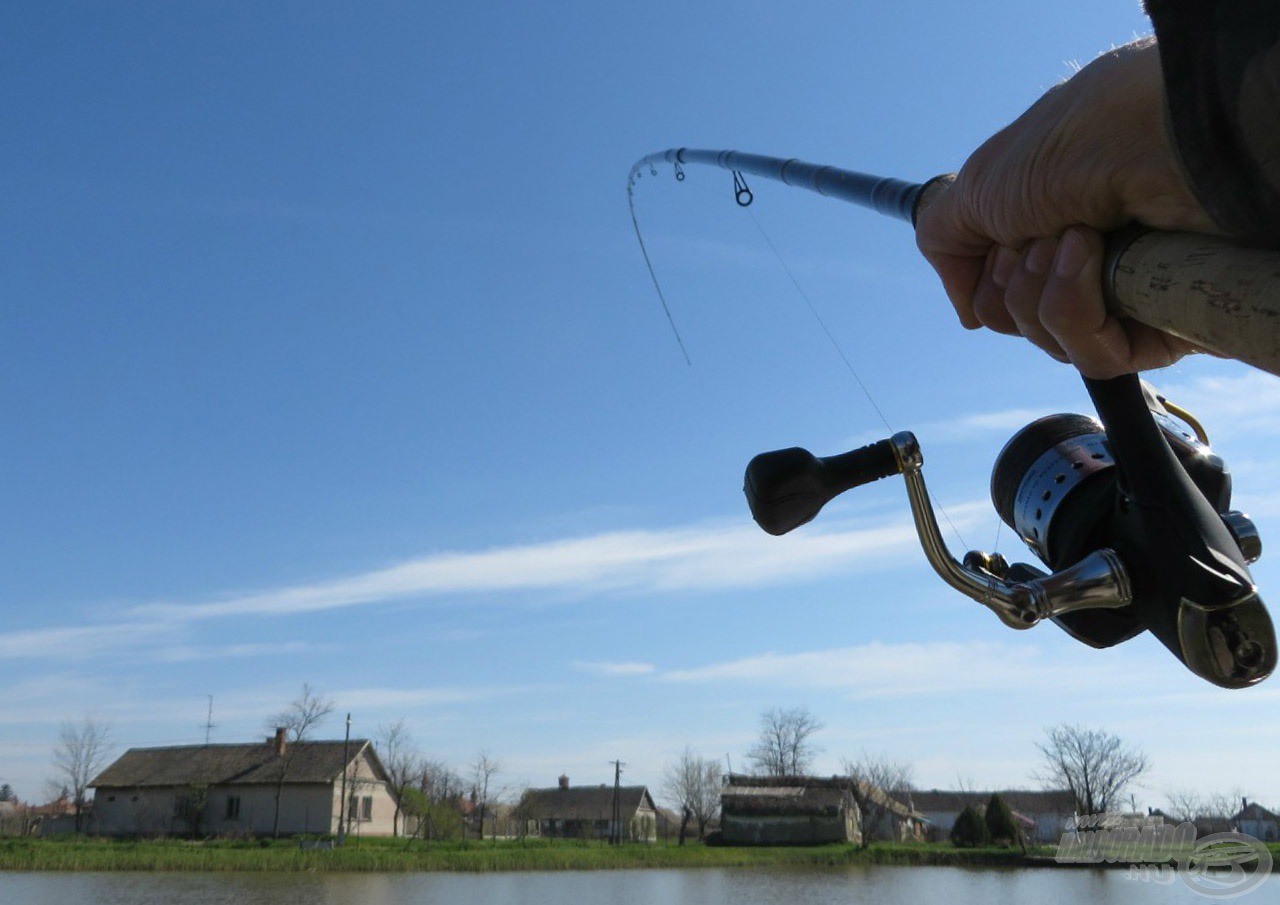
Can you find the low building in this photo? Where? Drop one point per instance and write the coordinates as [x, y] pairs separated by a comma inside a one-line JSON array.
[[1256, 821], [885, 817], [788, 810], [277, 787], [1045, 814], [590, 812], [58, 817]]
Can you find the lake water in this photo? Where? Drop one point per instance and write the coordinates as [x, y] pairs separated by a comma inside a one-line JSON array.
[[874, 885]]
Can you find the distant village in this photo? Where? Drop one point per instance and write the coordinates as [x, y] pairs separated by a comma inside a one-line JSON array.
[[290, 784]]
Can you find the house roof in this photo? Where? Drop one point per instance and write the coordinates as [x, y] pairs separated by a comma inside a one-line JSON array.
[[746, 801], [1255, 811], [764, 796], [739, 780], [196, 765], [887, 801], [761, 795], [1053, 801], [583, 802]]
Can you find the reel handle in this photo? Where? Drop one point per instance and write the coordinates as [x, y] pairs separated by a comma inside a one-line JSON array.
[[788, 487]]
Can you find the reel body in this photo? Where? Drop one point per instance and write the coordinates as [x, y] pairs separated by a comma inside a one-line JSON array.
[[1056, 484], [1131, 515]]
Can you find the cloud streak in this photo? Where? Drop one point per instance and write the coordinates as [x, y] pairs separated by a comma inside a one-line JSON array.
[[78, 642], [704, 558], [615, 669], [878, 669]]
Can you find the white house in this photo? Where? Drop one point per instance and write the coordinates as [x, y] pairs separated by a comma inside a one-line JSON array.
[[588, 812], [1256, 821], [276, 787]]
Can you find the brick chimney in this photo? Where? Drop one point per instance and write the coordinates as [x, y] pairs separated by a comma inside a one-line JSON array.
[[280, 741], [564, 781]]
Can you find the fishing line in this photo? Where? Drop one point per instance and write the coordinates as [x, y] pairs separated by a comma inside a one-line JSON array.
[[744, 197], [821, 323], [848, 364], [631, 203]]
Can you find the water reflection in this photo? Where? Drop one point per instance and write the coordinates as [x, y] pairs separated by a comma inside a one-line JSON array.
[[874, 885]]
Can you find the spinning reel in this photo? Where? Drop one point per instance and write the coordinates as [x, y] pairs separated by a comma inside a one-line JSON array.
[[1131, 515]]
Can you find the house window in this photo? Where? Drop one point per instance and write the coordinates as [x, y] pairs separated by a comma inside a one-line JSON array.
[[183, 807], [233, 807], [360, 808]]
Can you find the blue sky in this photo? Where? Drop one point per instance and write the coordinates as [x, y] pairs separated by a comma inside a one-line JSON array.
[[329, 356]]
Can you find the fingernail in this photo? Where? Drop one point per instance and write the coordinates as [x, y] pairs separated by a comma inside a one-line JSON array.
[[1073, 254], [1039, 256], [1002, 269]]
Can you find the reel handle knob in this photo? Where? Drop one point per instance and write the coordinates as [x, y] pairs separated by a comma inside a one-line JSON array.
[[788, 487]]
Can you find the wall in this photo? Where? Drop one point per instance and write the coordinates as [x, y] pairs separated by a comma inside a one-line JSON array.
[[363, 782], [773, 830], [151, 811]]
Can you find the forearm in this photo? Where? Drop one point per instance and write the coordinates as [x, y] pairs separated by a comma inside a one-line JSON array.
[[1221, 65]]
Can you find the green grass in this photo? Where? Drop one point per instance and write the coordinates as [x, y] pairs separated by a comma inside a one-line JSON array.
[[396, 855], [81, 854]]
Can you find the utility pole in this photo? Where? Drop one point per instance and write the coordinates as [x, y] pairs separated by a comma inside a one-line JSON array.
[[615, 819], [343, 816]]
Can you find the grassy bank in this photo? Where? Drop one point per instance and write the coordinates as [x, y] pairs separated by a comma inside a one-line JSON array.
[[396, 855], [72, 854]]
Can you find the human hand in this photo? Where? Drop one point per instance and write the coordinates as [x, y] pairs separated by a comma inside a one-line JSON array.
[[1017, 238]]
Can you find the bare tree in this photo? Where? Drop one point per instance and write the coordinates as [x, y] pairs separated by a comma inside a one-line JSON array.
[[1210, 813], [1183, 805], [878, 784], [483, 769], [694, 784], [296, 722], [785, 747], [1223, 806], [400, 758], [79, 756], [303, 714], [1094, 765]]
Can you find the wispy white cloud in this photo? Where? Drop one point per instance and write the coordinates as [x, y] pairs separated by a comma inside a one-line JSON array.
[[978, 425], [82, 641], [1243, 406], [189, 653], [375, 700], [615, 669], [1247, 404], [884, 670], [708, 557]]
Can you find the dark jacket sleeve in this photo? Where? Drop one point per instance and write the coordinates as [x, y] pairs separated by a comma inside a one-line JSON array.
[[1221, 62]]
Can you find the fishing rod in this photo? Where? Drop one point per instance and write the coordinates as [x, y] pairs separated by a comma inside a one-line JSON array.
[[1220, 296], [1131, 513]]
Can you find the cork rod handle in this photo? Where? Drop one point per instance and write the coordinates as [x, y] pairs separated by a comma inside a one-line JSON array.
[[1221, 296]]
